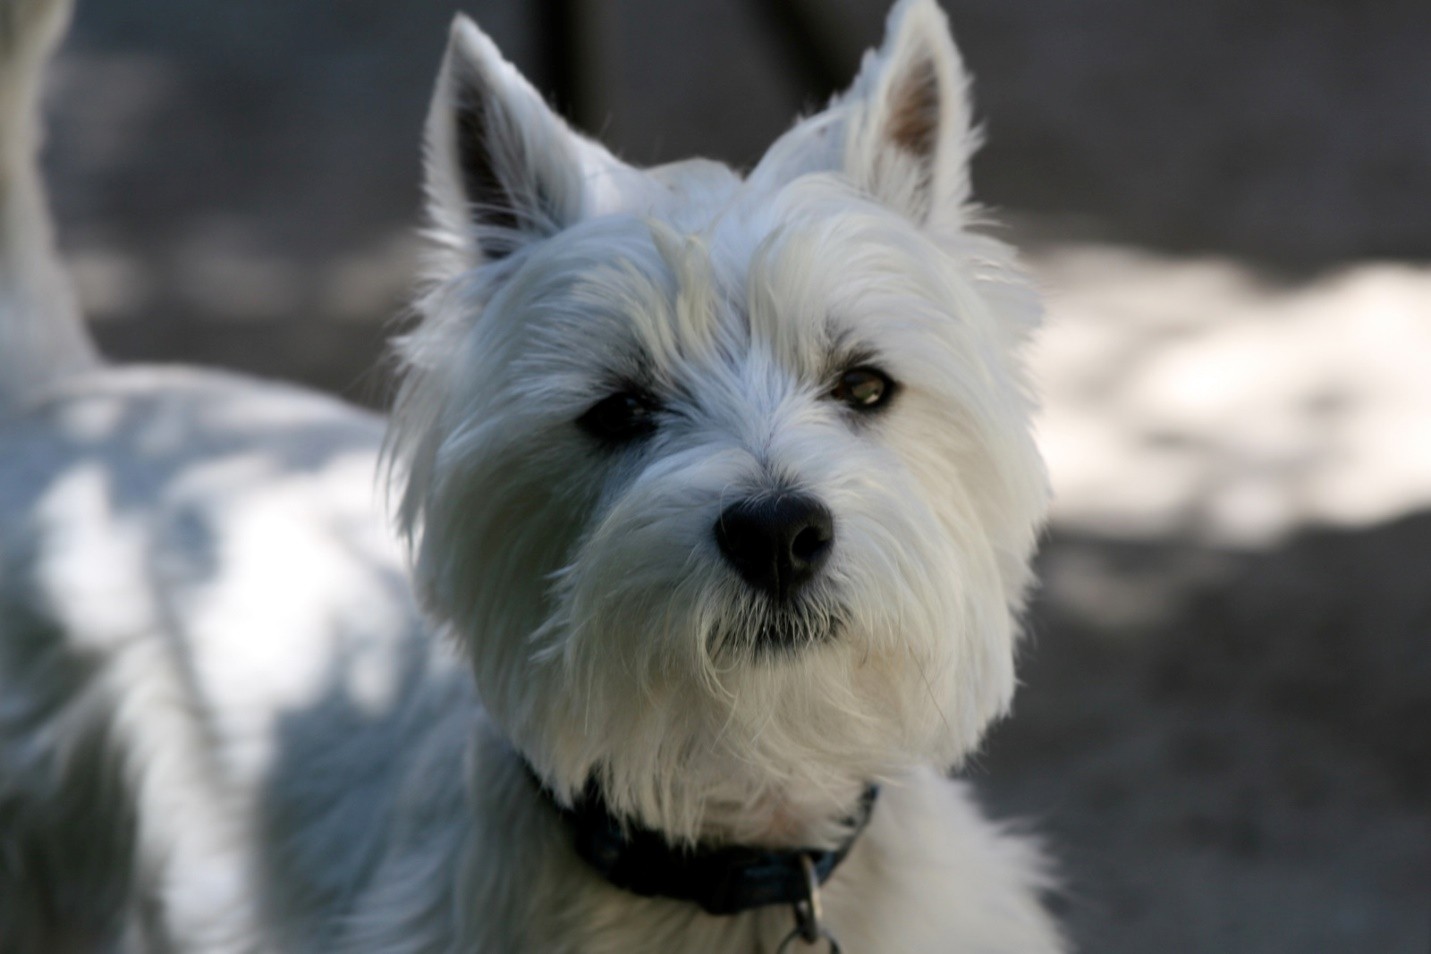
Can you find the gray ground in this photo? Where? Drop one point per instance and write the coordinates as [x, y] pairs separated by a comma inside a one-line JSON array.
[[1225, 729]]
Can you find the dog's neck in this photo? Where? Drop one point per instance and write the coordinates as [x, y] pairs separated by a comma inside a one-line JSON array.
[[778, 818], [722, 877]]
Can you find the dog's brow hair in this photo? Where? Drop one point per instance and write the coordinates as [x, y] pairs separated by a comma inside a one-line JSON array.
[[632, 364], [637, 368], [844, 351], [696, 313]]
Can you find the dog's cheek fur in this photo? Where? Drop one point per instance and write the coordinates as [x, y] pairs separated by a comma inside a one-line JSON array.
[[499, 482]]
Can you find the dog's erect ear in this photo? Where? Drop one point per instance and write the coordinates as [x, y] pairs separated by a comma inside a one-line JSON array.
[[903, 130], [909, 138], [503, 170]]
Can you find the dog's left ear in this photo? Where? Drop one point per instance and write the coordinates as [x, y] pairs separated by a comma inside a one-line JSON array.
[[503, 170], [903, 130]]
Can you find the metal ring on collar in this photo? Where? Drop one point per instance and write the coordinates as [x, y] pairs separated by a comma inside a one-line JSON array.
[[809, 915]]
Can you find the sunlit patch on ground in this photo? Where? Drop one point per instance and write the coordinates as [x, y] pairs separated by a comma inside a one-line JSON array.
[[1200, 397]]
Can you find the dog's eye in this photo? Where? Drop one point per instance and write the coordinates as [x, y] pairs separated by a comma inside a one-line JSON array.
[[863, 389], [622, 417]]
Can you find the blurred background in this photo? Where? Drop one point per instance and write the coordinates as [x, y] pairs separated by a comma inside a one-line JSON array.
[[1224, 732]]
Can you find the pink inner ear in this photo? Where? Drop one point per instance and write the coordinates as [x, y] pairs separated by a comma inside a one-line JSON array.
[[913, 123]]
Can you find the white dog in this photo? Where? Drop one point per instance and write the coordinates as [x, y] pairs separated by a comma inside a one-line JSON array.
[[722, 488]]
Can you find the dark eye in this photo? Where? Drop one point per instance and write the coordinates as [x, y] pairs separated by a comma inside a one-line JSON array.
[[863, 389], [622, 417]]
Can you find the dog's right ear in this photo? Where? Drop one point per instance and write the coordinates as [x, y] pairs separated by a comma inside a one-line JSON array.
[[503, 170]]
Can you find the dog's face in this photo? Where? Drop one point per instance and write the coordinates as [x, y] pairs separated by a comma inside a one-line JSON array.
[[726, 484]]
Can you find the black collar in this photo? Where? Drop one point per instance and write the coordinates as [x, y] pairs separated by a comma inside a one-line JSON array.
[[722, 879]]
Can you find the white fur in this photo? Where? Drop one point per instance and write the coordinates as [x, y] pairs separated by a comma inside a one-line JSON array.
[[41, 338], [224, 725]]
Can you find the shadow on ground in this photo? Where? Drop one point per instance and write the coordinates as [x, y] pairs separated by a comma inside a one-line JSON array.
[[1227, 750]]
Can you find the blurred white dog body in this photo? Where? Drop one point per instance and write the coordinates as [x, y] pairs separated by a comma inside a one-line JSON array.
[[721, 490]]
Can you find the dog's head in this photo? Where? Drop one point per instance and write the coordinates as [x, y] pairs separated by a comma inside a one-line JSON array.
[[725, 483]]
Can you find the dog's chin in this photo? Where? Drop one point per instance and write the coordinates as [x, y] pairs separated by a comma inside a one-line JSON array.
[[774, 631]]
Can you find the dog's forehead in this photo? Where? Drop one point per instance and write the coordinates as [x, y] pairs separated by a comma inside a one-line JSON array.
[[805, 257], [688, 195], [693, 265], [723, 287]]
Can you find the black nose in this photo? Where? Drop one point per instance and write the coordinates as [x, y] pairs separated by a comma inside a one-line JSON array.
[[778, 543]]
